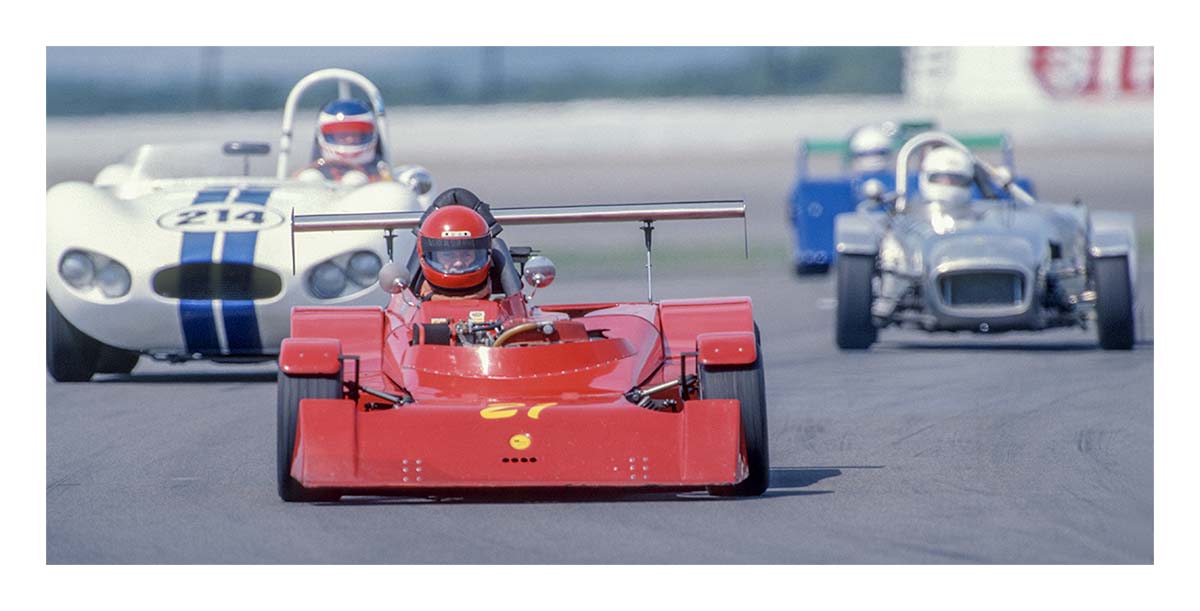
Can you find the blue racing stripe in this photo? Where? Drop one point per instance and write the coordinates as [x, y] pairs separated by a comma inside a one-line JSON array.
[[241, 319], [196, 315]]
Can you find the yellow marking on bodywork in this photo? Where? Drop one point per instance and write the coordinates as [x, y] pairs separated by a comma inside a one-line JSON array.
[[500, 410], [537, 409]]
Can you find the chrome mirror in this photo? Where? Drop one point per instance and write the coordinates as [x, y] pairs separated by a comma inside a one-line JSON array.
[[394, 278], [873, 189], [414, 177], [539, 272]]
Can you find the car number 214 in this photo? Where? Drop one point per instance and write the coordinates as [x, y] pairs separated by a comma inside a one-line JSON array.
[[226, 217]]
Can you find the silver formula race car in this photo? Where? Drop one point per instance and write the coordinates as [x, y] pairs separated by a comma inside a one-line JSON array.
[[184, 252], [1004, 262]]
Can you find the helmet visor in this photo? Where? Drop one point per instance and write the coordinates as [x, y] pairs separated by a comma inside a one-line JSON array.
[[945, 178], [453, 257], [354, 133], [876, 152]]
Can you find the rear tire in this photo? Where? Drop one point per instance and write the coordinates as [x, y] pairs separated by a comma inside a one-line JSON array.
[[291, 390], [854, 328], [746, 384], [71, 356], [1114, 303]]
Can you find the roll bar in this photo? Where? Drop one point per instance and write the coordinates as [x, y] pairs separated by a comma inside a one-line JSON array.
[[345, 78], [1002, 177]]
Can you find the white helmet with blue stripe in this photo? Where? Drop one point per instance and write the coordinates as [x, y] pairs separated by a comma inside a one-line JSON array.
[[870, 149], [346, 132]]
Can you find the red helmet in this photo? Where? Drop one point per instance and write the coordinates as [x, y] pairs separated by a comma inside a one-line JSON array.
[[455, 248]]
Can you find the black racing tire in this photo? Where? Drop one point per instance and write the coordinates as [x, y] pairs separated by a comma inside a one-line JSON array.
[[291, 390], [71, 355], [746, 384], [811, 269], [1114, 303], [854, 329], [116, 360]]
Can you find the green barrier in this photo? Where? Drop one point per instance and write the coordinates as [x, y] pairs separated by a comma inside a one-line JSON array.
[[992, 141], [827, 147]]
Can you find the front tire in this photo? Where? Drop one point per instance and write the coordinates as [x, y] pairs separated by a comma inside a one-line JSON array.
[[811, 269], [1114, 303], [71, 356], [746, 384], [116, 360], [854, 328], [290, 391]]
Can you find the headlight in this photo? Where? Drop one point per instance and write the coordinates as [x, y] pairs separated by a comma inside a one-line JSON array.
[[364, 267], [86, 271], [345, 274], [77, 269], [327, 281], [113, 280]]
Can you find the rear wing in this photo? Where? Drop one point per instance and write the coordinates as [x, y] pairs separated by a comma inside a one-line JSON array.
[[533, 215], [645, 213]]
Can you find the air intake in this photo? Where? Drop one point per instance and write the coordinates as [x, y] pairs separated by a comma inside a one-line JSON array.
[[217, 281]]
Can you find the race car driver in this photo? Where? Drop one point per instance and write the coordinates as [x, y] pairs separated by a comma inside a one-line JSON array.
[[946, 176], [347, 145], [870, 150], [455, 250], [945, 185], [870, 157]]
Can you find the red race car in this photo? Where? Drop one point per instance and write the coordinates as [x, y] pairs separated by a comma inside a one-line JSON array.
[[438, 395]]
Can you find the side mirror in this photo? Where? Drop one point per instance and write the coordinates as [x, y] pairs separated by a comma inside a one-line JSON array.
[[238, 147], [246, 150], [873, 189], [539, 272], [875, 196], [394, 278], [414, 177]]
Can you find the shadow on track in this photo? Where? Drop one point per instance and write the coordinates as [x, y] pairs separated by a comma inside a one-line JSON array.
[[996, 347], [185, 378], [783, 482]]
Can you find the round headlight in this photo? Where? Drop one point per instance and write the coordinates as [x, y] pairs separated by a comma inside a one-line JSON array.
[[77, 269], [364, 267], [327, 281], [113, 280]]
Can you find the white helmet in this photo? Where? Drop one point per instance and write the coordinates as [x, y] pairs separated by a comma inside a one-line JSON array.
[[870, 149], [346, 132], [946, 175]]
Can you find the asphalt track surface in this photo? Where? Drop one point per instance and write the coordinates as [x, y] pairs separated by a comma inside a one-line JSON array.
[[1017, 448]]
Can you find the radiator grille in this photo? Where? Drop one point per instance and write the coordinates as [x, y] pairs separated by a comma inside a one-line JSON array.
[[982, 289]]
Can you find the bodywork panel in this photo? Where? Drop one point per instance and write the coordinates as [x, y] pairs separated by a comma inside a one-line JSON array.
[[436, 445], [178, 224]]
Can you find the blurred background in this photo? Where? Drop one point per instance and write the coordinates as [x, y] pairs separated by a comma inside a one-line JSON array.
[[534, 125], [89, 80]]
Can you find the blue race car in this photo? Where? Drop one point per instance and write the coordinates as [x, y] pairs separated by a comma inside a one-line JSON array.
[[867, 154]]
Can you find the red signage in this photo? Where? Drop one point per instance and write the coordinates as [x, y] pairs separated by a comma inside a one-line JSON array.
[[1066, 72]]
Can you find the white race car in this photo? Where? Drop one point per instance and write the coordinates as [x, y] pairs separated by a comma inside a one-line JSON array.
[[184, 252]]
